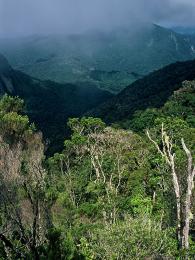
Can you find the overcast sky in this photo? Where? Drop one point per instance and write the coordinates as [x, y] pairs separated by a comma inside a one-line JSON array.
[[25, 17]]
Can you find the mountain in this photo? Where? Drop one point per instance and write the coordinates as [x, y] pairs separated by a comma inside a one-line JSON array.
[[110, 60], [184, 30], [49, 104], [152, 91]]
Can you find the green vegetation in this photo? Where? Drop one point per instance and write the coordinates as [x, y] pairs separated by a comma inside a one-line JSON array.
[[88, 175], [181, 105], [110, 194], [150, 92], [49, 104]]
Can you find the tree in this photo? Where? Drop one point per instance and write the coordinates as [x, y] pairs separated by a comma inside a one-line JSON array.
[[133, 238], [166, 150], [23, 208]]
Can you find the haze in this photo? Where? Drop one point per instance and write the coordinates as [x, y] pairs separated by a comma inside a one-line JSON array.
[[27, 17]]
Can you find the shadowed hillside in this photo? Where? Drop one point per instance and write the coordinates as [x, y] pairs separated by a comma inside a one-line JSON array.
[[49, 104], [151, 91]]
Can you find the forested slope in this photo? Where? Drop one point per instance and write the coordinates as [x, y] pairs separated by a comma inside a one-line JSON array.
[[49, 104], [110, 194], [152, 91]]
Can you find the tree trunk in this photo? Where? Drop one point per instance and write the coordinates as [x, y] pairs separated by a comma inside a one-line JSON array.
[[187, 205], [177, 195], [182, 217]]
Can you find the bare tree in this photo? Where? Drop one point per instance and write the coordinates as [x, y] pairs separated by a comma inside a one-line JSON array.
[[21, 169], [107, 150], [183, 216], [188, 199]]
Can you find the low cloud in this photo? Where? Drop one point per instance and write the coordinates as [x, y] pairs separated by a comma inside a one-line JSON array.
[[25, 17]]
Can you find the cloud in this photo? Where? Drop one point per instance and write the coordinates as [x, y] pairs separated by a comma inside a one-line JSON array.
[[24, 17]]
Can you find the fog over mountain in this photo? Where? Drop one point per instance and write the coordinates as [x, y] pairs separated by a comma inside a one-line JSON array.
[[26, 17]]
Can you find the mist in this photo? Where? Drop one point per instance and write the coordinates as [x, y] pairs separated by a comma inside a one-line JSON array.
[[27, 17]]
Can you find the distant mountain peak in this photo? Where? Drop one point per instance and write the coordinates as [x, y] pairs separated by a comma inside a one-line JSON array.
[[69, 58]]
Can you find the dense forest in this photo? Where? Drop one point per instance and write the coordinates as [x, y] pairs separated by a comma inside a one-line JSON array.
[[49, 104], [151, 91], [97, 130], [120, 191]]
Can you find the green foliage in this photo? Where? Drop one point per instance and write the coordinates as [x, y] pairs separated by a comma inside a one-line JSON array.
[[11, 104], [54, 249], [13, 124], [142, 120], [85, 199], [150, 93], [131, 239], [107, 195], [86, 125]]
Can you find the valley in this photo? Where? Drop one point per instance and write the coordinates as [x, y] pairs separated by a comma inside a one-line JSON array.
[[111, 60], [97, 132]]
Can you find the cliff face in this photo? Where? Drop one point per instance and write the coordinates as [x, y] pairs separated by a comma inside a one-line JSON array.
[[6, 84]]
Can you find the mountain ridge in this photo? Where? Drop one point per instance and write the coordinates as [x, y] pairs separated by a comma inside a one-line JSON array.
[[80, 58], [152, 91], [49, 104]]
